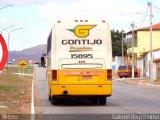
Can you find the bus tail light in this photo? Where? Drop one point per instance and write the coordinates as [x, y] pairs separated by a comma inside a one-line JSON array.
[[109, 74], [54, 75]]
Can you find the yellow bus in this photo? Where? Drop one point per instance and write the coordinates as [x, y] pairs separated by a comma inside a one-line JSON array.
[[79, 61]]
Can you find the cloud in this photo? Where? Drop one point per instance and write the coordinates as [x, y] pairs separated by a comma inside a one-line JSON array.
[[39, 34], [30, 2], [116, 12], [20, 2], [6, 21], [54, 10]]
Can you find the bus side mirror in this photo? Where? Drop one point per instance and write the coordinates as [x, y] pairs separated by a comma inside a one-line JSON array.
[[43, 63]]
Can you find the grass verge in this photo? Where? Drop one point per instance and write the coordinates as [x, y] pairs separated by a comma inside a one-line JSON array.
[[15, 92]]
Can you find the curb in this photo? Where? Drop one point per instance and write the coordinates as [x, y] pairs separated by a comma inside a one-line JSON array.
[[32, 96], [139, 83]]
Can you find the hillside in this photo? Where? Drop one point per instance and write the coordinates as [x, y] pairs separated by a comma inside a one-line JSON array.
[[36, 48], [30, 54]]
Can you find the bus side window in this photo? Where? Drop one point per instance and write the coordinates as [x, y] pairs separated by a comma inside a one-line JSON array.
[[49, 43]]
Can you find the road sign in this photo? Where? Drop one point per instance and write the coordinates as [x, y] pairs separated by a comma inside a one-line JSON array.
[[23, 64], [3, 52]]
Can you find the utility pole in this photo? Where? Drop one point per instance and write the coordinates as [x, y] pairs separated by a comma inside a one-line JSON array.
[[9, 40], [122, 49], [7, 27], [133, 26], [151, 59]]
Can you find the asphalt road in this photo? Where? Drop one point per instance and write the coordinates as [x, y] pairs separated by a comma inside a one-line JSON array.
[[126, 99]]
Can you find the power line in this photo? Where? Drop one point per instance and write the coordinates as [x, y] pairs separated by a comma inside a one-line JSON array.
[[155, 6], [145, 15], [6, 6]]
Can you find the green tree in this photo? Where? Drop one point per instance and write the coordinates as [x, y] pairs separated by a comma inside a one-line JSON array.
[[117, 43]]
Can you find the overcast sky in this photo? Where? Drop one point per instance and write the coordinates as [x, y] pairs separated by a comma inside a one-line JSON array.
[[37, 16]]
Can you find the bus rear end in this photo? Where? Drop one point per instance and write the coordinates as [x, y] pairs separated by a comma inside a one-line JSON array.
[[82, 67]]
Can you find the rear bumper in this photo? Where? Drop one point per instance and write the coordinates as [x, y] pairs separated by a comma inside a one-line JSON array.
[[81, 90], [124, 74]]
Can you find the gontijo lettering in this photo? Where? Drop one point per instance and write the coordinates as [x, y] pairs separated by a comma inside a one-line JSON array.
[[82, 31], [82, 42]]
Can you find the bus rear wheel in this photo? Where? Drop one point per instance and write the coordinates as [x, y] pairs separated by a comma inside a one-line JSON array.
[[54, 101], [102, 100], [49, 96], [94, 101]]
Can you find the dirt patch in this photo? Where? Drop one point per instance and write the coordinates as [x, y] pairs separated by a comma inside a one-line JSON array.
[[15, 93]]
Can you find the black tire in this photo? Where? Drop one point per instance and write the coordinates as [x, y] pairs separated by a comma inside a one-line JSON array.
[[54, 101], [49, 96], [94, 101], [102, 100]]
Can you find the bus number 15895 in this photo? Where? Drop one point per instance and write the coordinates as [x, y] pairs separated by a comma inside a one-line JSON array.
[[81, 55]]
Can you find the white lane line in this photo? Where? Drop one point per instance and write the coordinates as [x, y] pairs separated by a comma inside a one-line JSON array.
[[32, 101], [23, 74]]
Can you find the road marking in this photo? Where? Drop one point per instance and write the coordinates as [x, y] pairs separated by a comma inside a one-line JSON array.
[[23, 74], [32, 101]]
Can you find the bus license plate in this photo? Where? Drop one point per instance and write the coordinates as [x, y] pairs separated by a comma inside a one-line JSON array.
[[86, 77]]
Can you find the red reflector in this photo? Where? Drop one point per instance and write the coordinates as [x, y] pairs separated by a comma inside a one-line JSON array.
[[83, 73], [86, 20], [109, 74], [81, 20], [76, 20], [54, 75]]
